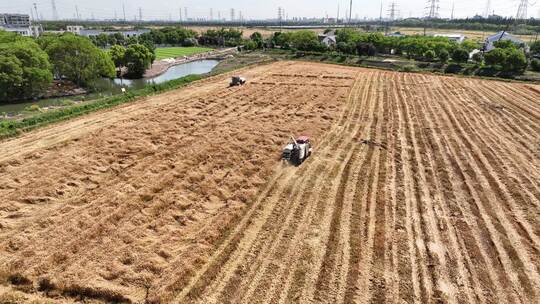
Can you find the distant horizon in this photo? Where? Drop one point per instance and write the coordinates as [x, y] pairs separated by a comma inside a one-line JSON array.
[[173, 10]]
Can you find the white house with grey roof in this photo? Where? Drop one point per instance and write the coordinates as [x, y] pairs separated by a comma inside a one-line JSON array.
[[490, 41]]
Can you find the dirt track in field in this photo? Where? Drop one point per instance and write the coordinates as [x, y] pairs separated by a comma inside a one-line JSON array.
[[421, 189]]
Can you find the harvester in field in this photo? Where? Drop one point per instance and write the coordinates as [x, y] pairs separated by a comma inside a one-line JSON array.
[[298, 150], [237, 81]]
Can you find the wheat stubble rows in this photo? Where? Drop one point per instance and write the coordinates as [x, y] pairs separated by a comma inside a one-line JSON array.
[[421, 189], [427, 190]]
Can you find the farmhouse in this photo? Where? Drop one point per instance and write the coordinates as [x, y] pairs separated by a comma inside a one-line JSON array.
[[328, 40], [490, 41], [81, 31]]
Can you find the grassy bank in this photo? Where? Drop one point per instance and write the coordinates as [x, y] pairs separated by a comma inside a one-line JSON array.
[[173, 52], [10, 128]]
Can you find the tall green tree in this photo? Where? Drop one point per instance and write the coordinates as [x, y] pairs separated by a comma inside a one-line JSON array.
[[138, 59], [25, 71], [78, 59]]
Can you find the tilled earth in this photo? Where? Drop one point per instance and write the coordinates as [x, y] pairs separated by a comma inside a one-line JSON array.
[[421, 189]]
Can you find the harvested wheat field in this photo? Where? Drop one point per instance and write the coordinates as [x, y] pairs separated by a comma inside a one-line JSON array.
[[421, 189]]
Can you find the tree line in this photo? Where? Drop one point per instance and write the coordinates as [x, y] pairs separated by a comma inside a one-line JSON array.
[[176, 36], [507, 59]]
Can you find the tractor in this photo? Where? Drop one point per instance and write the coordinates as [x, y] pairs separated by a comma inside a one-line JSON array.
[[297, 151], [237, 81]]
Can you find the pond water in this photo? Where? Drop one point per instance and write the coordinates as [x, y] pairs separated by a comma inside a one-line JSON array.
[[107, 87], [115, 86]]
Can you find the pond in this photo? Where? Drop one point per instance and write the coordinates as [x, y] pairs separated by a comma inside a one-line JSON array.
[[115, 86], [107, 87]]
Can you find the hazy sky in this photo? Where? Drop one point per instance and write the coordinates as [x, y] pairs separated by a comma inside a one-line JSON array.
[[255, 9]]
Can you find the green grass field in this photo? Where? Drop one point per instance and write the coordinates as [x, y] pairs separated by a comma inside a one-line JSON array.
[[173, 52]]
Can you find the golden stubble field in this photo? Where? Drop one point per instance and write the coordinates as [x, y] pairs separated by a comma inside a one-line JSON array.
[[421, 188]]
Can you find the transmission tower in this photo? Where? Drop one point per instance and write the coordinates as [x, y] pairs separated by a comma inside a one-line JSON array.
[[211, 14], [77, 12], [140, 14], [54, 11], [487, 12], [433, 9], [392, 11], [37, 14], [233, 13], [522, 10], [185, 14]]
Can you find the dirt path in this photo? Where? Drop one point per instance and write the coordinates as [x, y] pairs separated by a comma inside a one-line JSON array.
[[421, 189]]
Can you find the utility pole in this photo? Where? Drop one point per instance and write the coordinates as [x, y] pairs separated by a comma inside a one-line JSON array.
[[337, 18], [211, 14], [180, 14], [54, 11], [280, 18], [453, 7], [350, 12], [380, 16]]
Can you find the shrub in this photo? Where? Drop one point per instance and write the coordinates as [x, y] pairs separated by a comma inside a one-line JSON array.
[[366, 49], [535, 65], [515, 62], [443, 56], [460, 55], [33, 108], [429, 55], [478, 58], [408, 68], [495, 58], [453, 68]]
